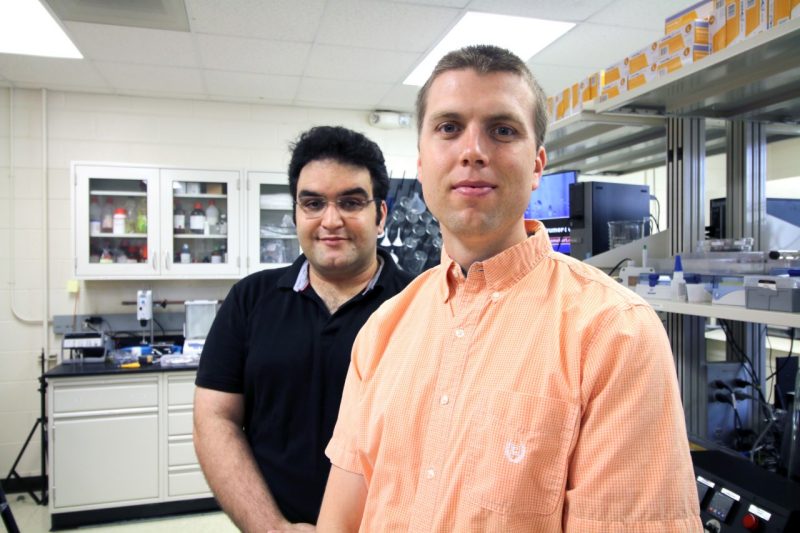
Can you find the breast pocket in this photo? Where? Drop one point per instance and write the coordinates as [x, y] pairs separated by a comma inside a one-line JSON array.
[[519, 446]]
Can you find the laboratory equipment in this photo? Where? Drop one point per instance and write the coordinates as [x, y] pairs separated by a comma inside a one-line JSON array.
[[199, 317], [593, 204]]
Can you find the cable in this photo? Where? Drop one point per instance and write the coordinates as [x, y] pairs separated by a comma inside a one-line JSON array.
[[611, 272], [653, 197], [749, 367], [157, 323], [780, 367], [560, 239], [655, 222]]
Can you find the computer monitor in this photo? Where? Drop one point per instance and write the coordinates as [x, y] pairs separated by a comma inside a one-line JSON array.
[[549, 204]]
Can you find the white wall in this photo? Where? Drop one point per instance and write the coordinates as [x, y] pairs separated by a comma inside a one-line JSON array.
[[114, 129]]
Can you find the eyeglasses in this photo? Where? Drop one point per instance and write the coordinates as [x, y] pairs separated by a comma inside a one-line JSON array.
[[348, 206]]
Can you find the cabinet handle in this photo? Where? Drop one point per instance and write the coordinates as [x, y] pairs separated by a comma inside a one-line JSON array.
[[155, 260], [166, 260]]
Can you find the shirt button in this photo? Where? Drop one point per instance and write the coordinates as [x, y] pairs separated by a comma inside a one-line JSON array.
[[444, 400], [429, 473], [495, 296], [459, 333]]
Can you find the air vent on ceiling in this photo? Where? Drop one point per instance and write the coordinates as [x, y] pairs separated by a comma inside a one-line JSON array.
[[155, 14]]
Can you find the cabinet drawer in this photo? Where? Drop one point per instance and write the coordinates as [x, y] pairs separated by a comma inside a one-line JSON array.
[[179, 423], [180, 390], [181, 454], [186, 483], [105, 396]]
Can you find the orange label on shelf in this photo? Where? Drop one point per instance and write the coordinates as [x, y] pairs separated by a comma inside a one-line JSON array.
[[691, 34], [716, 26], [562, 104], [778, 12], [682, 58], [755, 17], [701, 10], [734, 21]]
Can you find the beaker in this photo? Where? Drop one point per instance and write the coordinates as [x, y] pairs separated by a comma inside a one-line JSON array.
[[624, 231]]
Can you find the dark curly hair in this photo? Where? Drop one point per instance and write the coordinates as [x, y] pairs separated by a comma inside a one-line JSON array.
[[344, 146]]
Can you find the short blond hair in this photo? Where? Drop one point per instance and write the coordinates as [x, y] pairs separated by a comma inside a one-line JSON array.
[[486, 59]]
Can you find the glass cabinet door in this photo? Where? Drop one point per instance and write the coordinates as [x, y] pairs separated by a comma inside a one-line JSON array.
[[272, 236], [115, 232], [201, 228]]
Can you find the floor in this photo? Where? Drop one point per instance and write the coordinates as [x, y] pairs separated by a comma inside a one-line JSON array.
[[32, 518]]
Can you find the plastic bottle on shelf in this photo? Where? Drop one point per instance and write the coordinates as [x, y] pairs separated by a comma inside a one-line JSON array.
[[197, 219], [186, 254], [119, 222], [107, 216], [212, 215], [178, 219], [130, 211], [223, 224], [678, 284], [95, 214], [141, 217]]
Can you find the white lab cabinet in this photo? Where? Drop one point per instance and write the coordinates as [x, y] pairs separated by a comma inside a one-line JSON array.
[[141, 241], [122, 440], [184, 477], [271, 236]]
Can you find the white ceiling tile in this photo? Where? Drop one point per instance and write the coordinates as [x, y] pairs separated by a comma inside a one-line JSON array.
[[647, 14], [335, 93], [285, 20], [163, 80], [566, 10], [592, 48], [400, 98], [252, 55], [133, 45], [347, 63], [384, 26], [350, 54], [280, 89], [45, 72]]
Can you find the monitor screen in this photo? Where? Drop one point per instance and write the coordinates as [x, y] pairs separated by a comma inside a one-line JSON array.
[[549, 203], [551, 199]]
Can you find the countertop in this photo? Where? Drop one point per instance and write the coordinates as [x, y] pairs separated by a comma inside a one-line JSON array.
[[66, 370]]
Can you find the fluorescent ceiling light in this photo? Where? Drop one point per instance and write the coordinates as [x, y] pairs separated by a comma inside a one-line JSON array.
[[523, 36], [27, 28]]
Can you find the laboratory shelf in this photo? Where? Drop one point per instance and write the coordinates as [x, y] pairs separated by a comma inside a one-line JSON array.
[[606, 143], [726, 312], [756, 79], [117, 193], [200, 196], [118, 235], [200, 236]]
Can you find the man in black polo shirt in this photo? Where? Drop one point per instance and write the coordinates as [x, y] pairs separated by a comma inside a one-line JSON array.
[[273, 367]]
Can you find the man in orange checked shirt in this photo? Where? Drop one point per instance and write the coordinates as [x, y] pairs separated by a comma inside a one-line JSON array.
[[511, 388]]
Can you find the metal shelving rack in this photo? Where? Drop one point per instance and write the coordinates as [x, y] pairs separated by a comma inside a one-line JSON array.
[[734, 101]]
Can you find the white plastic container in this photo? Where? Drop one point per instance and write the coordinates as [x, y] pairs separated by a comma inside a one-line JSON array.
[[119, 222]]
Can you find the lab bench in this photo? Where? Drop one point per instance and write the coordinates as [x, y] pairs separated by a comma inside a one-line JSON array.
[[121, 444]]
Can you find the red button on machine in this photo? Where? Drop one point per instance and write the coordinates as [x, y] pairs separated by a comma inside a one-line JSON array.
[[750, 521]]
